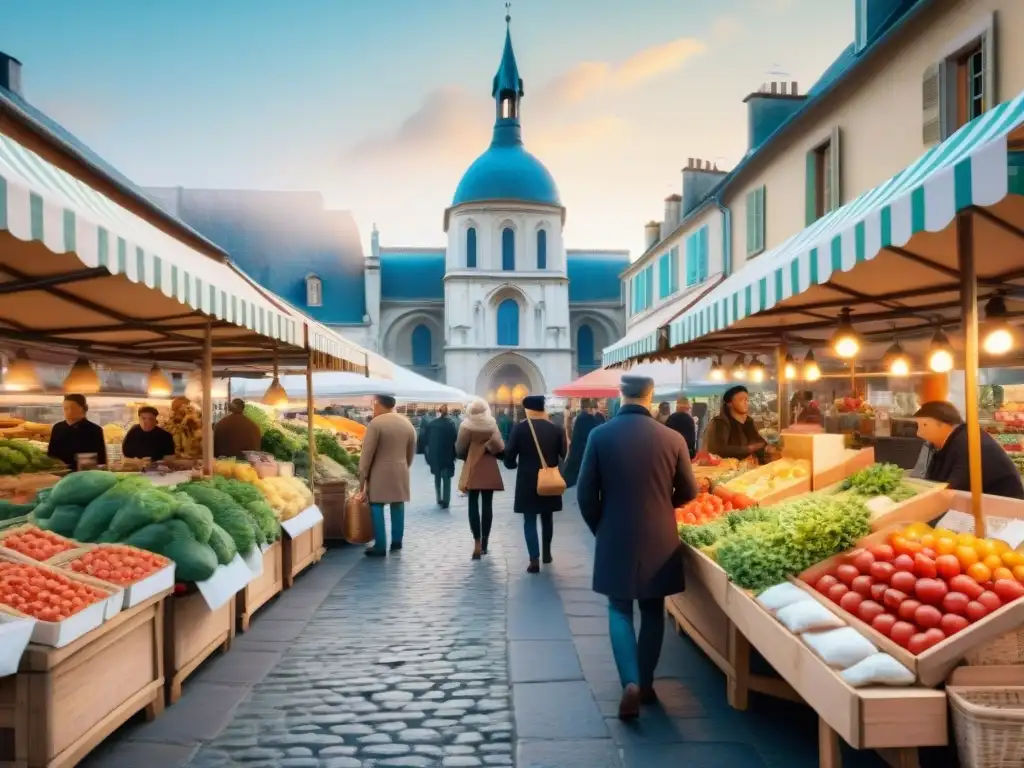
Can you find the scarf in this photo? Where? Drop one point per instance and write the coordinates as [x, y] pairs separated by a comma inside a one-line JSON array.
[[542, 415], [479, 422]]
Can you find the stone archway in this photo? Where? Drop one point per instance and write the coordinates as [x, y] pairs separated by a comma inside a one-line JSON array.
[[512, 371]]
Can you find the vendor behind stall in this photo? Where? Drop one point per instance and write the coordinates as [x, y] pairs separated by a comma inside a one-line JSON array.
[[732, 433], [236, 433], [76, 435], [940, 425], [146, 440]]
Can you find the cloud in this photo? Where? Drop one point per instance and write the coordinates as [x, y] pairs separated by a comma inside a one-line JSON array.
[[726, 28], [579, 136]]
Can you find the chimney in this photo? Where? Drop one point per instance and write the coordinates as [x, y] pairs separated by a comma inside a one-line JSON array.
[[10, 74], [673, 214], [769, 108], [699, 178], [652, 233]]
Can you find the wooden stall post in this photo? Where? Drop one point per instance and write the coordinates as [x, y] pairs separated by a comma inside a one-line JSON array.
[[782, 390], [311, 432], [969, 305], [207, 379]]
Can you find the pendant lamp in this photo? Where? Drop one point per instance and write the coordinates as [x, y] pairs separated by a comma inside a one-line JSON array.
[[275, 396], [21, 374], [82, 379], [159, 384], [717, 372], [940, 353], [756, 370], [811, 370], [789, 368]]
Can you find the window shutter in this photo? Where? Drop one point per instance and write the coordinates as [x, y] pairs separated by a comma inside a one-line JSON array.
[[989, 62], [931, 121], [836, 156], [751, 222], [761, 220], [811, 189], [692, 256], [675, 269], [703, 273], [649, 285]]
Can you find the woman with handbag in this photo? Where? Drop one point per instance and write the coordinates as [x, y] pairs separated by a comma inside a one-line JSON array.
[[535, 448], [479, 444]]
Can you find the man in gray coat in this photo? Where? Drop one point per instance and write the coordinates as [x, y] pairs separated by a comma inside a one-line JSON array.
[[635, 472]]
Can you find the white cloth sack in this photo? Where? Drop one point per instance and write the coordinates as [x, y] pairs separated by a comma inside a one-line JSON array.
[[778, 597], [840, 648], [879, 668], [808, 615]]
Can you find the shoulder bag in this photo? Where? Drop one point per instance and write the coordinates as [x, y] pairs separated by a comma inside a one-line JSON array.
[[549, 480]]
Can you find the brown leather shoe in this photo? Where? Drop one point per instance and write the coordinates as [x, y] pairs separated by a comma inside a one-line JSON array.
[[476, 550], [533, 567], [629, 705]]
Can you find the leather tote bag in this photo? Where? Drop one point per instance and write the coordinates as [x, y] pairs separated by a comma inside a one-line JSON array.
[[549, 480]]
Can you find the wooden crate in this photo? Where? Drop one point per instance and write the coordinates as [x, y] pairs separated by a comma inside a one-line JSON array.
[[302, 551], [932, 500], [192, 634], [331, 498], [65, 701], [269, 583]]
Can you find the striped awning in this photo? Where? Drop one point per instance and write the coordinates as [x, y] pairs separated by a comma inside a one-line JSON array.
[[41, 202], [969, 169]]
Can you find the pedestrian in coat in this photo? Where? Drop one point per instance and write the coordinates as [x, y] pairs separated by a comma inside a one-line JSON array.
[[635, 473], [481, 444], [682, 422], [521, 453], [389, 449], [441, 434], [585, 423]]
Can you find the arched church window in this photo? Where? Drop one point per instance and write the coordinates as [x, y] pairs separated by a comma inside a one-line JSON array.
[[508, 323], [471, 247], [422, 343], [314, 291], [542, 249], [508, 249], [585, 347]]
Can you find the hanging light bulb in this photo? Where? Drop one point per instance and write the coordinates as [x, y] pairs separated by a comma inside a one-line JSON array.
[[82, 379], [896, 361], [845, 341], [739, 368], [159, 384], [21, 374], [756, 370], [717, 372], [275, 396], [940, 353], [811, 370], [997, 335], [789, 370]]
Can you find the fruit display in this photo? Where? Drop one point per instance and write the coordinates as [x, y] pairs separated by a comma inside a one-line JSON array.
[[114, 433], [12, 427], [184, 422], [118, 564], [759, 483], [923, 585], [35, 543], [705, 459], [45, 594], [856, 405], [703, 509], [288, 496], [19, 456], [238, 470]]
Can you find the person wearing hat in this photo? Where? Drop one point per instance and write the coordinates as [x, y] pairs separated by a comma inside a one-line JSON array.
[[146, 440], [76, 435], [682, 422], [389, 449], [521, 454], [635, 473], [236, 433], [584, 424], [940, 425], [732, 434]]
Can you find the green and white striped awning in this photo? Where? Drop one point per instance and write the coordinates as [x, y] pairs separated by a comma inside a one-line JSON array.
[[41, 202], [969, 169]]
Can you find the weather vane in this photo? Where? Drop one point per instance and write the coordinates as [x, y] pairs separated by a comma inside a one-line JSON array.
[[508, 13]]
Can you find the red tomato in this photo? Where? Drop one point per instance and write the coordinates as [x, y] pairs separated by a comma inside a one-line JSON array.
[[850, 602], [965, 584], [862, 585], [883, 552], [884, 623], [930, 591], [863, 561], [927, 616], [882, 571], [921, 642], [846, 573], [825, 583], [893, 598], [951, 624], [976, 611], [955, 602], [868, 610], [904, 581], [1008, 590], [903, 563], [835, 594], [878, 591], [924, 566], [901, 632], [907, 609], [990, 600]]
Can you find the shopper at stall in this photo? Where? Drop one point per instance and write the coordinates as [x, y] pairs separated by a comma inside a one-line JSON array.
[[634, 474], [146, 440], [664, 411], [389, 449], [732, 434], [480, 444], [76, 435], [584, 424], [236, 433], [682, 422], [531, 438], [439, 448], [940, 425]]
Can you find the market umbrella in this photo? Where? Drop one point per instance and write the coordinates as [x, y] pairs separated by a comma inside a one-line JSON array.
[[604, 382]]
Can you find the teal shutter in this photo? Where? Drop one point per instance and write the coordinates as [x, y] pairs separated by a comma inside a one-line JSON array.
[[692, 258], [751, 222], [649, 286], [702, 269], [664, 276], [674, 266], [811, 200]]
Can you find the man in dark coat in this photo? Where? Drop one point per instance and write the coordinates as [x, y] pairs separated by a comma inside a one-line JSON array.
[[682, 422], [439, 446], [585, 423], [635, 473]]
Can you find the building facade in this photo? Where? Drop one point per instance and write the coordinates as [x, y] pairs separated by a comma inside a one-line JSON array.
[[502, 304]]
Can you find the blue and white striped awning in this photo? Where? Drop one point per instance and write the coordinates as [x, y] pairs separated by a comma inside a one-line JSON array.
[[969, 169]]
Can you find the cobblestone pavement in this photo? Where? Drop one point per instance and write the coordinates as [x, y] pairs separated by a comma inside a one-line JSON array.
[[430, 659]]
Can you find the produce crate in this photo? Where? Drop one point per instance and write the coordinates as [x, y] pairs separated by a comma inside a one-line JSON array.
[[269, 583], [80, 694], [849, 462], [302, 547], [931, 501], [797, 487], [134, 593], [193, 633], [19, 529], [331, 498]]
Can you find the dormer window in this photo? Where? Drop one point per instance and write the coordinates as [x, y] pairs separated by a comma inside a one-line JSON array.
[[314, 291], [509, 109]]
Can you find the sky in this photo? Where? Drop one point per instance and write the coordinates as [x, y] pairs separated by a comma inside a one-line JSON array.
[[381, 105]]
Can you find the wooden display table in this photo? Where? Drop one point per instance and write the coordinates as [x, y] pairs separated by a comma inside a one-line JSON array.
[[269, 583], [65, 701], [192, 634], [303, 546]]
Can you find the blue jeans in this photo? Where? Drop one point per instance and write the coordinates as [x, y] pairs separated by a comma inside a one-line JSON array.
[[530, 531], [443, 489], [635, 661], [380, 533]]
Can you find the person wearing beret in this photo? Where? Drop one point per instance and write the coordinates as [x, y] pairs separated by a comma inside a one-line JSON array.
[[732, 434], [522, 455], [585, 423], [635, 473]]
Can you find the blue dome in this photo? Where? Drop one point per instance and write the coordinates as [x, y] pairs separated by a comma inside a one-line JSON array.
[[507, 172]]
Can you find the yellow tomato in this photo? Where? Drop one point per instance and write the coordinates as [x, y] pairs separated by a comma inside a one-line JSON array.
[[984, 548], [1012, 559], [980, 572], [966, 539], [1001, 546], [915, 531], [928, 540], [1001, 573], [1018, 572], [945, 545], [944, 533], [992, 561], [967, 556]]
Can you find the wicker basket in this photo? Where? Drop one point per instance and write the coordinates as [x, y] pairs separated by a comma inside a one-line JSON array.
[[989, 726], [1003, 651]]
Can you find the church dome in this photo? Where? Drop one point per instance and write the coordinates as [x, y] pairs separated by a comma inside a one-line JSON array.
[[506, 171]]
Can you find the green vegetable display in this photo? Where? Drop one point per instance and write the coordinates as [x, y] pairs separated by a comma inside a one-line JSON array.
[[226, 512], [96, 517], [155, 536], [63, 520], [192, 561], [82, 487], [198, 518], [259, 416], [151, 505], [876, 480], [222, 545], [705, 535], [282, 444], [17, 456], [9, 510], [799, 533]]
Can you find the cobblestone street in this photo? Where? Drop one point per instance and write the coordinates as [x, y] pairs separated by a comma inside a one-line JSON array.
[[430, 659]]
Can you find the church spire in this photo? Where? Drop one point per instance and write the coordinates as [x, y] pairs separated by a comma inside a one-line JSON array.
[[507, 91]]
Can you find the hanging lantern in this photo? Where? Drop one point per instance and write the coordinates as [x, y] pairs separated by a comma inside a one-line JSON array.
[[82, 379], [845, 342], [21, 374], [998, 337], [717, 372], [896, 361], [940, 353], [739, 368], [789, 370], [275, 396], [159, 384], [756, 370], [811, 370]]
